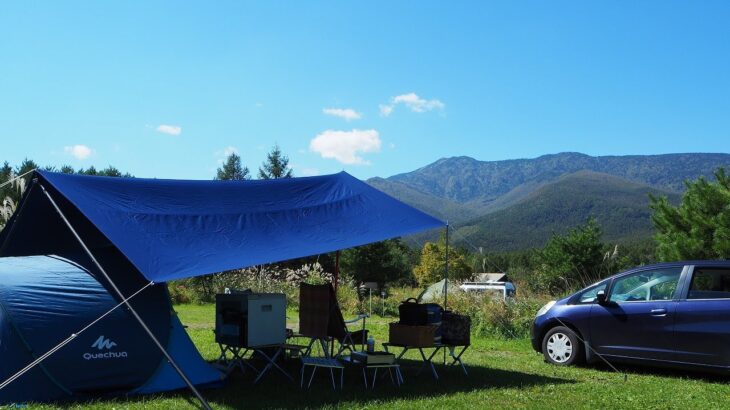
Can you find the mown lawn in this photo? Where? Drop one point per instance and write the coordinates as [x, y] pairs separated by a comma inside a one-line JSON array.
[[503, 374]]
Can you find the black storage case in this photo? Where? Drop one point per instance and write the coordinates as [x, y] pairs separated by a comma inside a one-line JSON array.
[[413, 313], [419, 314]]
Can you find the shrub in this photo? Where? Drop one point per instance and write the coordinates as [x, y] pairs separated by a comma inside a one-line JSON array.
[[490, 317], [182, 293], [507, 319]]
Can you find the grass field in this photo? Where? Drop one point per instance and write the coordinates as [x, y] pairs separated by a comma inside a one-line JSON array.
[[503, 374]]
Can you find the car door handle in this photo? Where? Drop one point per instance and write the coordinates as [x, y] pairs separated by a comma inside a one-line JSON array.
[[659, 312]]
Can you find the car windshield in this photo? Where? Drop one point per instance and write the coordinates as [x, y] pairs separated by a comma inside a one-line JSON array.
[[589, 294]]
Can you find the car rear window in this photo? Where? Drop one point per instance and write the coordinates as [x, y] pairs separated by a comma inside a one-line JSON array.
[[710, 283]]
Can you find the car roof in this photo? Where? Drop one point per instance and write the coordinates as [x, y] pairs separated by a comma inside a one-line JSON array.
[[710, 263]]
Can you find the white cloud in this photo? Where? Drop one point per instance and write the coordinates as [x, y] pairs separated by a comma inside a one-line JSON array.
[[169, 129], [344, 146], [223, 154], [413, 102], [78, 151], [347, 114]]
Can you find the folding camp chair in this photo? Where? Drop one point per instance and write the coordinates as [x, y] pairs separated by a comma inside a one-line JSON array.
[[321, 320]]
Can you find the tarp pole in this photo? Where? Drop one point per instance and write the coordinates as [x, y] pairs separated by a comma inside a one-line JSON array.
[[337, 271], [169, 358], [446, 273]]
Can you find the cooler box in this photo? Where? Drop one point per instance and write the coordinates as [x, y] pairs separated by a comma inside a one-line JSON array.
[[250, 319]]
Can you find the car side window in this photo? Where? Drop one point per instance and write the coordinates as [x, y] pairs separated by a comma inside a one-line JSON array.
[[710, 283], [589, 295], [648, 285]]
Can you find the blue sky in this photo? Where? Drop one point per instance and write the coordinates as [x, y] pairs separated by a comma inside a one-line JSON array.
[[165, 89]]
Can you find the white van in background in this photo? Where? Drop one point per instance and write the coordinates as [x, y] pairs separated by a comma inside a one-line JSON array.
[[496, 283]]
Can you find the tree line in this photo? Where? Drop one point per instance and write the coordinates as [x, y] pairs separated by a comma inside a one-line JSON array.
[[697, 228]]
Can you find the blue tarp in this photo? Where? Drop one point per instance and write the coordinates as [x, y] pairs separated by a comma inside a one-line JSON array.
[[172, 229]]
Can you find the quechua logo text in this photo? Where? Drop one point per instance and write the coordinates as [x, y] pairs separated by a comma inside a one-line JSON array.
[[105, 350]]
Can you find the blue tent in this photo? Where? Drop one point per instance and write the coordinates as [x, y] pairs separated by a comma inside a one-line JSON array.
[[45, 298], [148, 230]]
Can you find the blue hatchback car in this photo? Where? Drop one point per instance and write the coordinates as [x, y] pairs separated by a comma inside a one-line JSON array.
[[671, 314]]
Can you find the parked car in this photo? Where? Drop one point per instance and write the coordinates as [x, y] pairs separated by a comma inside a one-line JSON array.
[[671, 314]]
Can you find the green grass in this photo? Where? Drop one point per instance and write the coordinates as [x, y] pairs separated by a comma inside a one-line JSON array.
[[503, 374]]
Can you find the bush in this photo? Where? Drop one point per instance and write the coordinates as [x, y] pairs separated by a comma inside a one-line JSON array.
[[268, 279], [182, 293], [492, 317]]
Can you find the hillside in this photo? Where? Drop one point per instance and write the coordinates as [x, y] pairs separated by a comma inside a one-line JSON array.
[[515, 204], [442, 208], [619, 205], [482, 185]]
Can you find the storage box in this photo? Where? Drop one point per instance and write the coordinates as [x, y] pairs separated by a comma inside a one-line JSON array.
[[456, 329], [416, 336], [245, 319], [371, 358]]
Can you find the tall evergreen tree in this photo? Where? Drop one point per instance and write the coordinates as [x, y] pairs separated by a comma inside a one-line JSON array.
[[67, 169], [699, 227], [232, 169], [89, 171], [276, 165], [6, 172]]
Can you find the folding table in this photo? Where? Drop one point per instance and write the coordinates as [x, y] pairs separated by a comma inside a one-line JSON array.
[[393, 368], [270, 359], [326, 363], [233, 357], [428, 359]]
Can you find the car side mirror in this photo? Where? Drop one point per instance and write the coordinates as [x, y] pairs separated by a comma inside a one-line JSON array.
[[601, 297]]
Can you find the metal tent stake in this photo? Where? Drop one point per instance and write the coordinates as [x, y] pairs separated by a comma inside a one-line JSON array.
[[177, 368]]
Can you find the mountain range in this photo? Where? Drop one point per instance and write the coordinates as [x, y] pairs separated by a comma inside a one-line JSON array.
[[518, 204]]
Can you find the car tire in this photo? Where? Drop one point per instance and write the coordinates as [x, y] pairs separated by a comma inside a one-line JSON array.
[[561, 347]]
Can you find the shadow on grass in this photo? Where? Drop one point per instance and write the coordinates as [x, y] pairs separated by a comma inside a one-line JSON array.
[[277, 392], [664, 371]]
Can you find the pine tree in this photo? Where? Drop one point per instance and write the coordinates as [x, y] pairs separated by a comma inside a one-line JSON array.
[[699, 227], [232, 169], [67, 169], [276, 165]]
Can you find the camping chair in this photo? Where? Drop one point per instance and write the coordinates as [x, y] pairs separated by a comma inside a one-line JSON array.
[[321, 320]]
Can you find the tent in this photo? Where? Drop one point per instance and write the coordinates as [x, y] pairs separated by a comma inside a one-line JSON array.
[[44, 297], [435, 291], [128, 234]]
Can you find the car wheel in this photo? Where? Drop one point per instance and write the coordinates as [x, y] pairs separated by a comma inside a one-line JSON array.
[[561, 346]]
